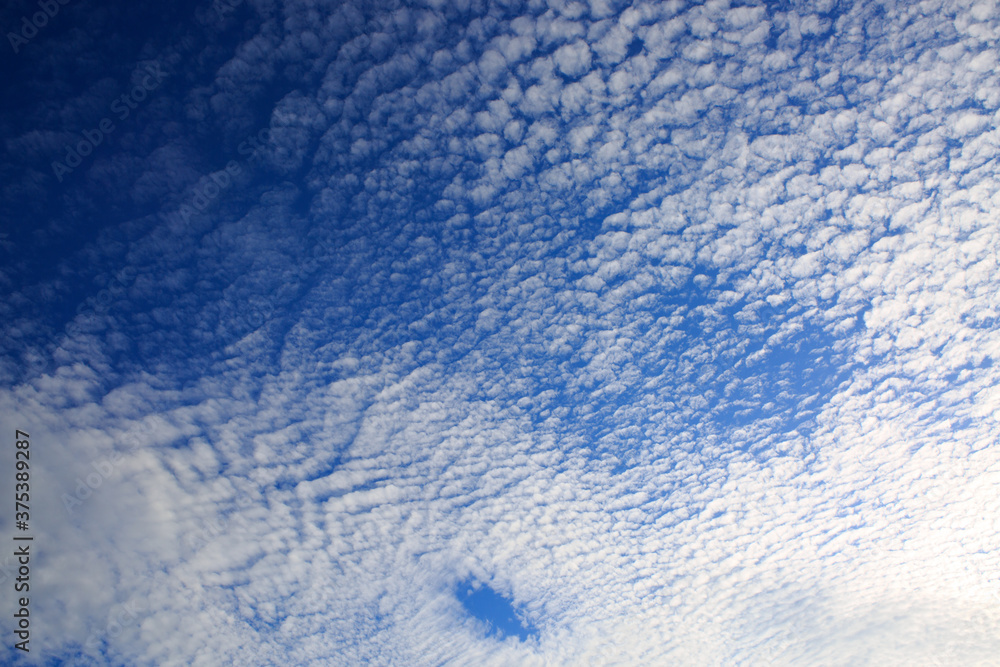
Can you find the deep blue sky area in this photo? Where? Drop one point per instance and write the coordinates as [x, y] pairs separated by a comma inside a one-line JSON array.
[[495, 611], [477, 332]]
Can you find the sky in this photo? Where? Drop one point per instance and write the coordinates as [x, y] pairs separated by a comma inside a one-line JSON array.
[[472, 332]]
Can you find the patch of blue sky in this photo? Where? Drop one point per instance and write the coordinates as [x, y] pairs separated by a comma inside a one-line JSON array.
[[494, 611]]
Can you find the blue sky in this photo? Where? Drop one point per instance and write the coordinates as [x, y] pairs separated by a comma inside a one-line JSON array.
[[534, 333]]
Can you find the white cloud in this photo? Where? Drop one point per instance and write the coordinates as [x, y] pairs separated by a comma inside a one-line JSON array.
[[693, 355], [573, 60]]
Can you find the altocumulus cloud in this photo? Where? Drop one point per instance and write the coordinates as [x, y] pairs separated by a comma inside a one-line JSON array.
[[534, 333]]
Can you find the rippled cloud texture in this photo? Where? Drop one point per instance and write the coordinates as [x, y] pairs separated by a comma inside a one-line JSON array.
[[675, 326]]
